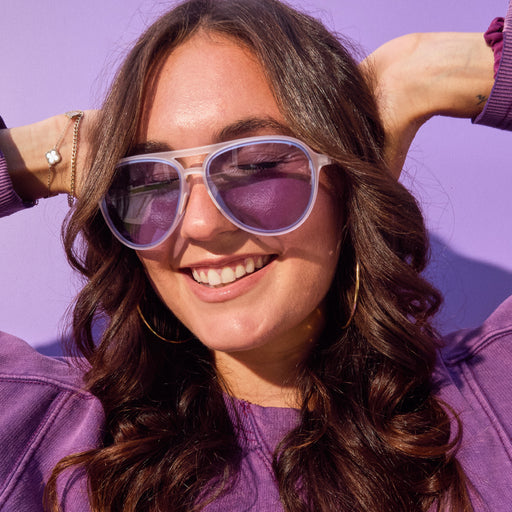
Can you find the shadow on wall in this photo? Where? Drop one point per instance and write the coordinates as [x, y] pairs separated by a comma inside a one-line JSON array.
[[472, 291], [52, 349], [55, 348]]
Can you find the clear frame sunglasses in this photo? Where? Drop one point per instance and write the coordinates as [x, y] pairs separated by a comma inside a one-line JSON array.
[[265, 185]]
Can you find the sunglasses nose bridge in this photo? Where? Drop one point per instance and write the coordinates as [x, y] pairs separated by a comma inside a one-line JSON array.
[[194, 170], [188, 181]]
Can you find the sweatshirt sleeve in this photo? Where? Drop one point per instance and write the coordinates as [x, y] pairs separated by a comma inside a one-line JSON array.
[[10, 202], [498, 109]]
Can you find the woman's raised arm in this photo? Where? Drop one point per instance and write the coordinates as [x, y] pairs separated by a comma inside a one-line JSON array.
[[25, 147], [418, 76]]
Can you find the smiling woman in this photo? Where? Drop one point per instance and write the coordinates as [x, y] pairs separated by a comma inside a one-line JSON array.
[[268, 340], [266, 309]]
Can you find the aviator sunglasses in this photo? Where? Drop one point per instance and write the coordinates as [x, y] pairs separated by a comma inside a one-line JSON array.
[[265, 185]]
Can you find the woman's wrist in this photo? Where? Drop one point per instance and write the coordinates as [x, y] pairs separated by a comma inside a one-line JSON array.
[[418, 76], [448, 74], [465, 75], [25, 149]]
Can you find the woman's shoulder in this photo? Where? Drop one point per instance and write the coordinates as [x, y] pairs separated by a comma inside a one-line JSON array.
[[494, 334], [474, 377], [32, 383], [21, 362], [46, 415], [478, 363]]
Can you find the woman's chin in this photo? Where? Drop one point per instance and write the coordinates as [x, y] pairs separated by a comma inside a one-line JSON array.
[[229, 343]]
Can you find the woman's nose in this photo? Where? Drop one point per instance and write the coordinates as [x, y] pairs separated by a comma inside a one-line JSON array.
[[202, 220]]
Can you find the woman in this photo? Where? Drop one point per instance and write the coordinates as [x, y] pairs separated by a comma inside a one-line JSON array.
[[253, 358]]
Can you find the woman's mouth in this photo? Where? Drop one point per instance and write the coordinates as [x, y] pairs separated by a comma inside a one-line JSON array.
[[219, 276]]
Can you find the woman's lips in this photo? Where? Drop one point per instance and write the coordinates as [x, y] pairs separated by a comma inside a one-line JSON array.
[[217, 293], [217, 277]]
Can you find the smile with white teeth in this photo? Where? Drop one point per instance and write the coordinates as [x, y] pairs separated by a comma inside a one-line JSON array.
[[229, 274]]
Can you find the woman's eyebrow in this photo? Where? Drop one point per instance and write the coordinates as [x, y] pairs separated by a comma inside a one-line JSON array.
[[236, 130], [251, 125], [150, 146]]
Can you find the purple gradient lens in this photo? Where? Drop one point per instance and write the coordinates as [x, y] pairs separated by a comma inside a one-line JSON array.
[[266, 186], [143, 200], [271, 205], [263, 186]]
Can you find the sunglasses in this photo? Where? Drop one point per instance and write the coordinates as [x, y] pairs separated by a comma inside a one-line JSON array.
[[265, 185]]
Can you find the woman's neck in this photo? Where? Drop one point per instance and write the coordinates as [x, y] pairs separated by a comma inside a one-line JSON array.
[[267, 375], [258, 383]]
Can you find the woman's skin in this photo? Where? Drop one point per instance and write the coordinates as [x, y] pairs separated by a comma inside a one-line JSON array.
[[418, 76], [262, 325], [24, 148], [208, 90]]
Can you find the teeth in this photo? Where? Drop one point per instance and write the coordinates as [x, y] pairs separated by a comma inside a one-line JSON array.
[[226, 275], [213, 278], [249, 265]]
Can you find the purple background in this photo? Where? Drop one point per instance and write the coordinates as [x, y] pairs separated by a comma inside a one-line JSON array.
[[59, 55]]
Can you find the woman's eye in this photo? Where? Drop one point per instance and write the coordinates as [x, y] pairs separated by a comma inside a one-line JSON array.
[[258, 166], [155, 186]]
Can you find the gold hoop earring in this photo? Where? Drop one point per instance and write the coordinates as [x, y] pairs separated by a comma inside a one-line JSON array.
[[152, 331], [356, 296]]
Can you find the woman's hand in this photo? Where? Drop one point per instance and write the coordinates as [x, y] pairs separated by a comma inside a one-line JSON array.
[[418, 76], [25, 148]]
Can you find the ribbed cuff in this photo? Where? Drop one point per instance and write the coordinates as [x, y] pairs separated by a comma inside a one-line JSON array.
[[498, 109], [10, 202]]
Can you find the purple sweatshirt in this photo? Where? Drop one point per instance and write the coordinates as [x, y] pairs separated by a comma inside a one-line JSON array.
[[46, 415]]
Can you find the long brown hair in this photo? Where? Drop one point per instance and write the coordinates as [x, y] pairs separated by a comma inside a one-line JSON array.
[[372, 435]]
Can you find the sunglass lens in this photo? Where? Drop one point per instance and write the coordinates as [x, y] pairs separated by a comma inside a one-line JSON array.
[[264, 186], [142, 203]]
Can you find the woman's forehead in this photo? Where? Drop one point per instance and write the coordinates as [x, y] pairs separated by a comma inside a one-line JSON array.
[[204, 85]]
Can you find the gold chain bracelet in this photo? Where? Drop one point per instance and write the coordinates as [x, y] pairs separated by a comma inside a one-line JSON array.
[[53, 156]]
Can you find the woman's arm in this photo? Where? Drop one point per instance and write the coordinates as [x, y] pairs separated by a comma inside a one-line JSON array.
[[25, 147], [418, 76]]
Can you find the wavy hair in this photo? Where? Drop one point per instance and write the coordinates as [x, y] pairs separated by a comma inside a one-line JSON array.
[[372, 435]]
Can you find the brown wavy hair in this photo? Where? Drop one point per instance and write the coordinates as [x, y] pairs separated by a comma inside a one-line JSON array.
[[372, 435]]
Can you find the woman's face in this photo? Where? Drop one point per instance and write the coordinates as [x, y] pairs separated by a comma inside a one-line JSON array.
[[209, 89]]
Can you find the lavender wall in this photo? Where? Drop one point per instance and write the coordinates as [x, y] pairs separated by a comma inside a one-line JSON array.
[[59, 55]]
